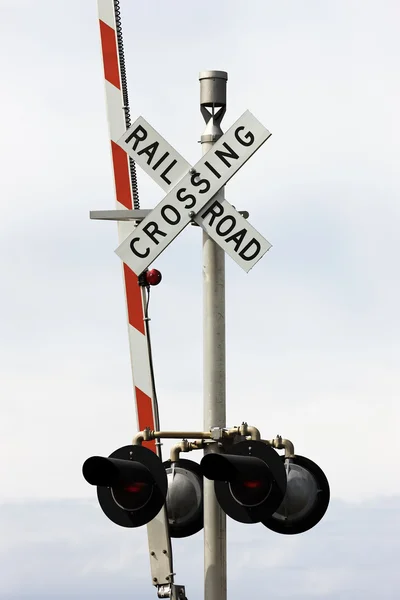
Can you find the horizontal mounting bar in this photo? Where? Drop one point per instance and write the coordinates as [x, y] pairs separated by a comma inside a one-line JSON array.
[[134, 215], [120, 215], [215, 433]]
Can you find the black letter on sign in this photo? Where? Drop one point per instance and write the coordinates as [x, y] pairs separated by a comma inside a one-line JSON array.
[[150, 150], [207, 164], [164, 173], [228, 218], [160, 160], [230, 154], [187, 197], [136, 134], [168, 219], [139, 254], [257, 250], [238, 238], [249, 137], [155, 230], [215, 210], [207, 184]]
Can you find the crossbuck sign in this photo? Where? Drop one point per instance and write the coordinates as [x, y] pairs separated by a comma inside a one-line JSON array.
[[191, 193]]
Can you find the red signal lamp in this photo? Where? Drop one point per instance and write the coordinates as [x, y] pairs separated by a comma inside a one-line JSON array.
[[135, 488], [252, 485], [153, 277]]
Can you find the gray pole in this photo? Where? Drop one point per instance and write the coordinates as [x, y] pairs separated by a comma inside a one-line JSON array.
[[213, 107]]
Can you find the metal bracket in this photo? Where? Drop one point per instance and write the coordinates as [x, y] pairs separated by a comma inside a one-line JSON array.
[[173, 591], [217, 433], [245, 214]]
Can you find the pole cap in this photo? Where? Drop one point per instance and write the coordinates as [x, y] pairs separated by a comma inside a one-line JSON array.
[[213, 88]]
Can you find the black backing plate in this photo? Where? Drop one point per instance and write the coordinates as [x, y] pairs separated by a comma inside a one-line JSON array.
[[147, 513], [254, 514], [319, 509]]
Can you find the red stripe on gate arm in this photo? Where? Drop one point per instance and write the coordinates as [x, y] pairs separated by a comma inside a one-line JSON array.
[[145, 415], [121, 176], [110, 54], [134, 300]]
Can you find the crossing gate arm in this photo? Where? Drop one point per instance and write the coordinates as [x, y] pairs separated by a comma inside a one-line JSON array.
[[159, 541]]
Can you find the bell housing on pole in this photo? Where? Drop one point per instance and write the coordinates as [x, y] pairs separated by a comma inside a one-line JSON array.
[[306, 499]]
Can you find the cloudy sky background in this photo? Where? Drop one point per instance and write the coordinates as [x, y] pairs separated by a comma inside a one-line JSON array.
[[312, 331]]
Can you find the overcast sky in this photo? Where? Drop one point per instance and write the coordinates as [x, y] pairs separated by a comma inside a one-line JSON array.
[[67, 549], [313, 331]]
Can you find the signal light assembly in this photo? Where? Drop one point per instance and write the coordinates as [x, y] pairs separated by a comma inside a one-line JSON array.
[[250, 481], [288, 494], [131, 484]]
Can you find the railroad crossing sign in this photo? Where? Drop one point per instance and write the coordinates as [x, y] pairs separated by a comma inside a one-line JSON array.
[[192, 193]]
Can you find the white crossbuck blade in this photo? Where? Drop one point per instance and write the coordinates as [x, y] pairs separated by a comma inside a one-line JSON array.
[[192, 193]]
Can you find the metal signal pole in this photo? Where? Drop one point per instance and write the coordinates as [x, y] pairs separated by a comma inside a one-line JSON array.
[[213, 107]]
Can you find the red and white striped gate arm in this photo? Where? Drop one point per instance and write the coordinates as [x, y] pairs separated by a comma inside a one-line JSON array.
[[160, 551], [135, 295]]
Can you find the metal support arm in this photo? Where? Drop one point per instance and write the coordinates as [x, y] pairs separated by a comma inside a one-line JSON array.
[[216, 433], [185, 446], [282, 444]]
